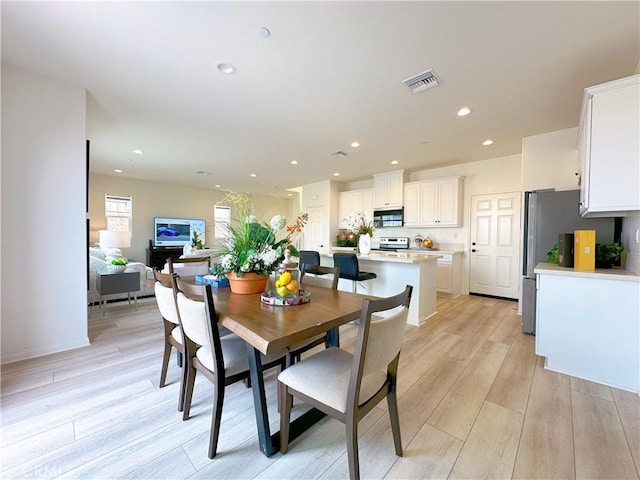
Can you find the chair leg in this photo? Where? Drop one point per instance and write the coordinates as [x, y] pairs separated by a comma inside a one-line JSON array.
[[352, 449], [183, 384], [188, 392], [392, 402], [286, 402], [216, 417], [165, 363]]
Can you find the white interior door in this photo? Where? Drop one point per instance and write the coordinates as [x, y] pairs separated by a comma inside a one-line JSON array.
[[315, 231], [495, 244]]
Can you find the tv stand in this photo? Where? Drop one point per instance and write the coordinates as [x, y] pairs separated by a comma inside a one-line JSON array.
[[157, 256]]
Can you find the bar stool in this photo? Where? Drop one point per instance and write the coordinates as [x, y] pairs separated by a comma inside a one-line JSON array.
[[350, 270], [308, 260]]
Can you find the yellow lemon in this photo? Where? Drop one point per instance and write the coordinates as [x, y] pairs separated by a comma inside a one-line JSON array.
[[292, 286], [283, 291], [285, 278]]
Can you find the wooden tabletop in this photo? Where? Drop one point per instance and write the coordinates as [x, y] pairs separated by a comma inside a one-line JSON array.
[[271, 328]]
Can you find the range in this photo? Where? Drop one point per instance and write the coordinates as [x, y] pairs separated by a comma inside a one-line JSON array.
[[393, 244]]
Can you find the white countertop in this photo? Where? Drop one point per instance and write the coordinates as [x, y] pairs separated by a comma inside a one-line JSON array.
[[602, 273], [395, 257]]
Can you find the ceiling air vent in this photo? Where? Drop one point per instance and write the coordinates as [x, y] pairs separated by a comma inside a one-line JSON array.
[[339, 154], [422, 81]]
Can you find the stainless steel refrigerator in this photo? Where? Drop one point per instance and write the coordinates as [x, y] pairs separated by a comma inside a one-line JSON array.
[[546, 215]]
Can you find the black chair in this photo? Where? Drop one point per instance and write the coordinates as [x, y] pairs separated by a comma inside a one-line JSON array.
[[309, 259], [349, 268]]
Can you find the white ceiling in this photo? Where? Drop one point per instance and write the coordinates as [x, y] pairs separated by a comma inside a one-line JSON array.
[[329, 74]]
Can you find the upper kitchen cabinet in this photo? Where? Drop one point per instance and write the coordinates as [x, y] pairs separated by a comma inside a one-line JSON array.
[[388, 189], [353, 201], [434, 203], [609, 145]]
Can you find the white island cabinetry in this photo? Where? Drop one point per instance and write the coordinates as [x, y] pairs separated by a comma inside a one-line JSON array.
[[395, 271], [588, 324]]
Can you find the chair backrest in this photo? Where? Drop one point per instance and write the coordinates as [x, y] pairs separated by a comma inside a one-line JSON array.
[[379, 341], [189, 266], [348, 265], [165, 296], [325, 282], [309, 257], [198, 319]]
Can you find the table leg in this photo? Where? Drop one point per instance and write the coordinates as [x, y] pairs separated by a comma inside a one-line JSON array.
[[333, 337], [267, 445]]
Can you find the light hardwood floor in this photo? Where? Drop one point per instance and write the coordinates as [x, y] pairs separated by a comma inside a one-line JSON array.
[[474, 400]]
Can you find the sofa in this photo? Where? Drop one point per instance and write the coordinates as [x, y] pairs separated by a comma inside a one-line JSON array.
[[99, 263]]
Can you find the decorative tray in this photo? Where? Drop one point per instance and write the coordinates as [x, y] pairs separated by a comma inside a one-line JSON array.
[[272, 298]]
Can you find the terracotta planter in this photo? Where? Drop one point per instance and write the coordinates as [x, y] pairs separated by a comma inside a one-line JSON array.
[[247, 284]]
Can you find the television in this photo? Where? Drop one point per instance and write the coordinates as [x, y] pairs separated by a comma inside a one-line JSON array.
[[171, 232]]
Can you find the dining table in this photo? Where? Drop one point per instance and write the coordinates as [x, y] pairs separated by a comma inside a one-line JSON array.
[[272, 328]]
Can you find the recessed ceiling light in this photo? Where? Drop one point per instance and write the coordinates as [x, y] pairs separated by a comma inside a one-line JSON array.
[[394, 162], [117, 170], [488, 141], [336, 174], [217, 186], [355, 145], [202, 172], [294, 162], [289, 194], [226, 68], [264, 32], [464, 111], [253, 175], [137, 151]]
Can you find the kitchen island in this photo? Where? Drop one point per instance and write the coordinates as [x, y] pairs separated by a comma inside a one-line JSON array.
[[395, 270], [588, 324]]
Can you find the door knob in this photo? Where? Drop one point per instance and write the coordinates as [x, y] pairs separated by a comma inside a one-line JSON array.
[[474, 250]]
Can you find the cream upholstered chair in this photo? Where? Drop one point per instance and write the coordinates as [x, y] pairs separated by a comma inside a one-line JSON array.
[[189, 266], [165, 297], [347, 386], [222, 360]]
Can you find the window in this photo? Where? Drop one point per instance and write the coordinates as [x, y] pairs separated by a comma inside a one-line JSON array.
[[118, 211], [221, 221]]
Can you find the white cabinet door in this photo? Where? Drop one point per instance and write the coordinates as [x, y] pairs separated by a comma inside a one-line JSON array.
[[444, 277], [412, 204], [388, 189], [610, 128], [448, 198], [429, 204], [353, 201]]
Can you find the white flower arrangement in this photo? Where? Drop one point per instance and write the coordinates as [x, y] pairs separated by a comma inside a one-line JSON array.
[[358, 223]]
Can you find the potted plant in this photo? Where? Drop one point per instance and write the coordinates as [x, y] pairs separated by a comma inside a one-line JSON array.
[[360, 225], [608, 254], [252, 250], [118, 264]]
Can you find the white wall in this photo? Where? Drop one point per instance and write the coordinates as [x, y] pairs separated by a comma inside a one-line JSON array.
[[43, 254], [151, 200], [551, 160]]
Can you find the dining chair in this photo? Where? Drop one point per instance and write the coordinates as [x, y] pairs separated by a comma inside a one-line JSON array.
[[305, 279], [309, 259], [222, 360], [350, 269], [189, 266], [309, 276], [165, 298], [347, 386]]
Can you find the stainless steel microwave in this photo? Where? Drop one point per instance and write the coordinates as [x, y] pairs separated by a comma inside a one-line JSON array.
[[388, 218]]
